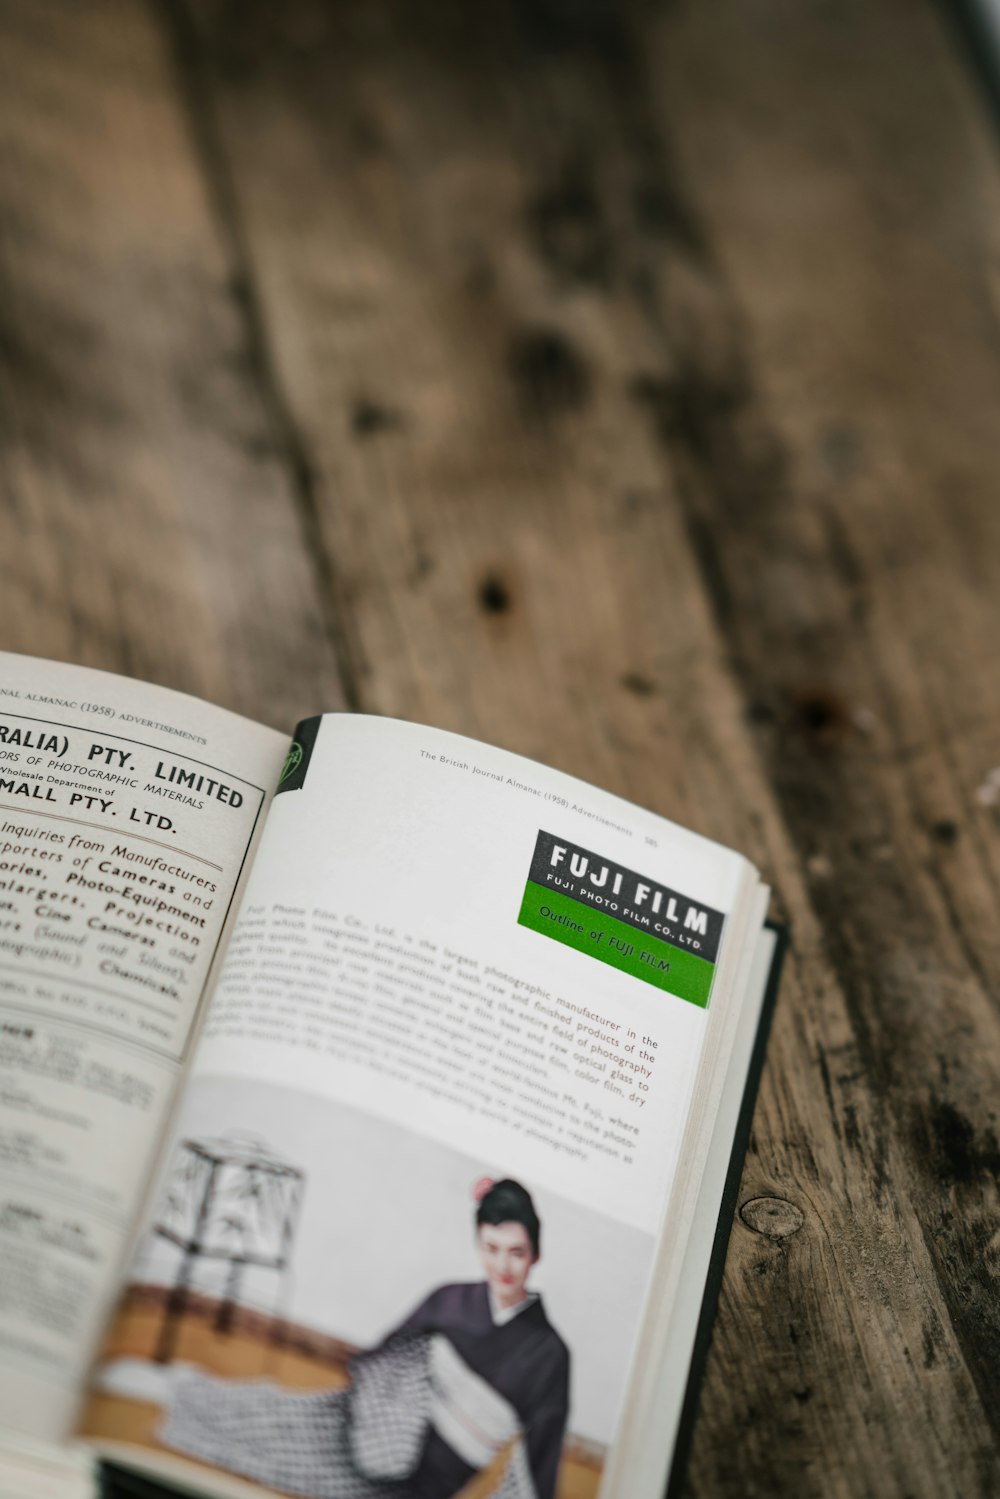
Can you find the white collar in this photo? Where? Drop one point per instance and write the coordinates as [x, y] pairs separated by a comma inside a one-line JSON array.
[[502, 1314]]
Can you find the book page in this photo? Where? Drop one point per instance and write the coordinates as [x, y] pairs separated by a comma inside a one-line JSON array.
[[670, 1329], [431, 1128], [127, 814]]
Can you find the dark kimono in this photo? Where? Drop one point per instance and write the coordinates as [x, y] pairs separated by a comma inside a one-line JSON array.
[[523, 1361], [457, 1382]]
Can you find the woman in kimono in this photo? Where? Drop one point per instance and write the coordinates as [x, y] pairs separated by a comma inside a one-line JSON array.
[[473, 1368]]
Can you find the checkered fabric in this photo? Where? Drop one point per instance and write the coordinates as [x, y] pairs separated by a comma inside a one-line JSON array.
[[389, 1408], [287, 1440], [359, 1443]]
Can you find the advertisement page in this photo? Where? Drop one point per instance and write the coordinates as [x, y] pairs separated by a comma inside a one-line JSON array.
[[127, 814]]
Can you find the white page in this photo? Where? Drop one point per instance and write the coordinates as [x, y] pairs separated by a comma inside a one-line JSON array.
[[127, 814], [388, 1028], [413, 847]]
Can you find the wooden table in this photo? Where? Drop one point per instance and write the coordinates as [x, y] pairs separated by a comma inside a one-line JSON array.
[[619, 383]]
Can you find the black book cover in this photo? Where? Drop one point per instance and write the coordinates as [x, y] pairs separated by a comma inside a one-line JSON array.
[[727, 1211]]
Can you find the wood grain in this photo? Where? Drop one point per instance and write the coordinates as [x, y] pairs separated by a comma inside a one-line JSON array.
[[862, 588], [150, 523], [617, 383]]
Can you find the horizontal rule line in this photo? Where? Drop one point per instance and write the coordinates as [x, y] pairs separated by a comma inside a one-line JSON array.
[[102, 827], [175, 754]]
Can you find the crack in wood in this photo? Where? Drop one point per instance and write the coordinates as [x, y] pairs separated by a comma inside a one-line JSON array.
[[195, 87]]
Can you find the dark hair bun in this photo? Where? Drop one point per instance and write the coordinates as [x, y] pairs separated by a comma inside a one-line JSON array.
[[508, 1202]]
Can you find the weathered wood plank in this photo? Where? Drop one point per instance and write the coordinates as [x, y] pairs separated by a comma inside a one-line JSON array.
[[859, 481], [588, 492], [150, 520]]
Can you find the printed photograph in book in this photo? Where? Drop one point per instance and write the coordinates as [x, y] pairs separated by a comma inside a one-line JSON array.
[[327, 1304]]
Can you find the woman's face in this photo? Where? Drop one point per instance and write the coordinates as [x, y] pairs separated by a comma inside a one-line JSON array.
[[507, 1256]]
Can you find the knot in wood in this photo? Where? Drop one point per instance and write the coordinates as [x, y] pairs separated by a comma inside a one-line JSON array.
[[774, 1217], [821, 712]]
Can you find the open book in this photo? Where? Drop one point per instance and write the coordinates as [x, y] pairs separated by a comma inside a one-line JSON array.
[[367, 1105]]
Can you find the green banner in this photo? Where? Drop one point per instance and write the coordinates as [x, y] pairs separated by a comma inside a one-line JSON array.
[[602, 936]]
